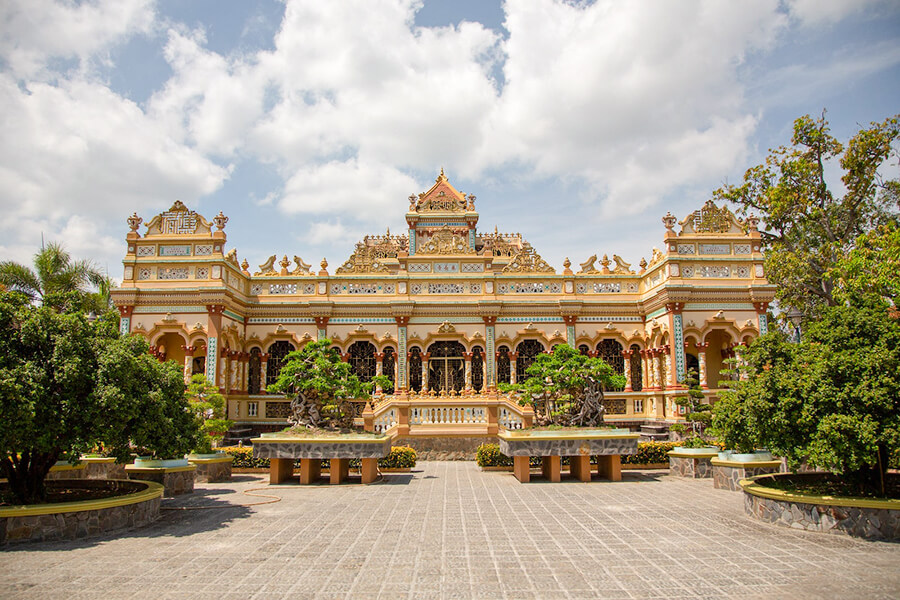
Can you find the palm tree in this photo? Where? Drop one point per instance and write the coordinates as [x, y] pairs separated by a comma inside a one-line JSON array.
[[54, 272]]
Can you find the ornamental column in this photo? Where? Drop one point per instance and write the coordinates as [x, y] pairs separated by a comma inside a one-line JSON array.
[[762, 315], [245, 358], [402, 361], [468, 358], [379, 369], [321, 327], [214, 326], [570, 321], [125, 319], [188, 363], [665, 368], [654, 369], [513, 356], [425, 357], [490, 373], [701, 358], [263, 371], [676, 357], [626, 354], [234, 365]]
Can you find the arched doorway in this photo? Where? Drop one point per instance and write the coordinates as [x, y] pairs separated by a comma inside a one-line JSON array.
[[277, 352], [611, 353], [446, 370], [254, 364], [527, 351], [415, 369], [362, 360]]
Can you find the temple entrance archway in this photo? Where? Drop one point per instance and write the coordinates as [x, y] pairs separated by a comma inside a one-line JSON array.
[[446, 369]]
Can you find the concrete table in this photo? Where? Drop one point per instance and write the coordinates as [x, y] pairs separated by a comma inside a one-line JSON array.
[[282, 451], [608, 445]]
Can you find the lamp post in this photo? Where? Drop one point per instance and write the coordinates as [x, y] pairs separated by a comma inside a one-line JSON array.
[[795, 317]]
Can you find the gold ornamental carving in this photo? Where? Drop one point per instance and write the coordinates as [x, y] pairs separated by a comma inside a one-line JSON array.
[[363, 260], [528, 261], [711, 219], [445, 241]]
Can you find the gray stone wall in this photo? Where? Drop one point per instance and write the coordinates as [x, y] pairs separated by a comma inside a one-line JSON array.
[[174, 482], [104, 470], [445, 448], [869, 523], [324, 449], [727, 478], [76, 525], [698, 468], [568, 447], [212, 472]]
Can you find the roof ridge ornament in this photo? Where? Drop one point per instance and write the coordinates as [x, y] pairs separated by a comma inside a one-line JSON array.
[[527, 260]]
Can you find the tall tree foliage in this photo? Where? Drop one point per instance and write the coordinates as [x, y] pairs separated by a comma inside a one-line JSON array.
[[566, 388], [809, 228], [55, 272], [67, 384], [832, 400]]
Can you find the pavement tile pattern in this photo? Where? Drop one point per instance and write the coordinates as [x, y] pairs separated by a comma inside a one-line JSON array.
[[448, 530]]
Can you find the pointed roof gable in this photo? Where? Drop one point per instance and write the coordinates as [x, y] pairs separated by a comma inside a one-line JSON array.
[[442, 197]]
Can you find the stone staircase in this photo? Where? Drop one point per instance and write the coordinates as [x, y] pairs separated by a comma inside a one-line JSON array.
[[655, 432], [238, 435]]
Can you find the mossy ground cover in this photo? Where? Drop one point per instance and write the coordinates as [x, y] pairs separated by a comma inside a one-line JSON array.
[[829, 484]]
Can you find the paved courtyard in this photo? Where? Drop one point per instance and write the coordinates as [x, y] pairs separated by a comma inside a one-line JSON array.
[[448, 530]]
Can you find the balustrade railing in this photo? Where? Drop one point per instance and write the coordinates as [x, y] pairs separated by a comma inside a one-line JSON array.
[[386, 420], [447, 415], [509, 419]]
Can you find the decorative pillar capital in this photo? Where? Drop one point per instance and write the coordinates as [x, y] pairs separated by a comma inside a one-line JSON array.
[[379, 356], [189, 350], [489, 320], [675, 307], [125, 311], [512, 355], [402, 321], [467, 355], [761, 307], [321, 322], [215, 309], [701, 346], [570, 319], [345, 356]]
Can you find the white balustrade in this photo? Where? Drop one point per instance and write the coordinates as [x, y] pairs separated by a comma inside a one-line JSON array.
[[447, 415], [509, 419], [386, 420]]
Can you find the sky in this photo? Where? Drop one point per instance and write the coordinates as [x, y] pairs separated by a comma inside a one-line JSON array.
[[309, 123]]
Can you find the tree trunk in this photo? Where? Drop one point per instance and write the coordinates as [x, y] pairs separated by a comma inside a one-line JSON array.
[[27, 473]]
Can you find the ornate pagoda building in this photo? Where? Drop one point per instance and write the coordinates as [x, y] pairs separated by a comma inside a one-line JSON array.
[[447, 312]]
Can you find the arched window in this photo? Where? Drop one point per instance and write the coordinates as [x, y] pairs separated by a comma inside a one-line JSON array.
[[253, 376], [611, 352], [415, 369], [362, 360], [691, 362], [198, 365], [277, 352], [477, 368], [583, 349], [387, 368], [446, 370], [637, 371], [528, 351], [502, 364]]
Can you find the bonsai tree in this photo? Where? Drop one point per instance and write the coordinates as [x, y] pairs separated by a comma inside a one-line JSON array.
[[566, 388], [67, 385], [321, 387], [699, 413], [208, 406], [832, 401]]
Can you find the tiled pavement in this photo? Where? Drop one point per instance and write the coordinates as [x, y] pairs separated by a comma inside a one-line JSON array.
[[447, 530]]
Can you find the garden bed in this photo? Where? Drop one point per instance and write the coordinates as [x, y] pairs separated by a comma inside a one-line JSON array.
[[804, 501], [82, 508]]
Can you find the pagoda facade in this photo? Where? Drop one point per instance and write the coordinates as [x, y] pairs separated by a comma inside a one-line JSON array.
[[446, 311]]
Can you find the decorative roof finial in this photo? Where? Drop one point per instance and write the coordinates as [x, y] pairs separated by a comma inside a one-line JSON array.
[[412, 202], [244, 266], [324, 265], [284, 265], [669, 221], [566, 264], [134, 221], [220, 220], [441, 177]]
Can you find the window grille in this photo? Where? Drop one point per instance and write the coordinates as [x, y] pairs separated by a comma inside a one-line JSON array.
[[254, 364], [611, 352], [637, 370], [415, 369], [528, 350], [277, 352], [477, 368], [362, 360], [502, 364]]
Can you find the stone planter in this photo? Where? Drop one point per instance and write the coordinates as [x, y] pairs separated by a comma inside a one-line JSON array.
[[691, 462], [166, 463], [283, 450], [727, 474], [857, 517], [175, 480], [102, 467], [578, 444], [64, 470], [211, 468], [138, 505]]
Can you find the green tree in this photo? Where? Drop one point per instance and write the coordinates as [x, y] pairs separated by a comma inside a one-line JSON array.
[[321, 386], [566, 388], [807, 227], [699, 413], [208, 406], [67, 385], [871, 272], [832, 401], [54, 273]]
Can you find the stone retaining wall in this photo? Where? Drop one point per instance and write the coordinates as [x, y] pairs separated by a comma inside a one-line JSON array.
[[81, 523], [728, 476], [103, 469], [213, 470], [697, 467], [870, 522], [445, 448], [175, 480]]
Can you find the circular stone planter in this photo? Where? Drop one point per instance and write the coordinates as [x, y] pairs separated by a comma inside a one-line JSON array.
[[857, 517], [137, 505], [758, 456], [168, 463], [727, 474], [692, 462], [211, 468]]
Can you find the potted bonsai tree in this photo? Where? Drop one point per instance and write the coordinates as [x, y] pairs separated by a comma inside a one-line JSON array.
[[208, 407], [698, 417]]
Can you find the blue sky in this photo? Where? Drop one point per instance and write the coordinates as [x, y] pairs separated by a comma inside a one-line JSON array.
[[578, 124]]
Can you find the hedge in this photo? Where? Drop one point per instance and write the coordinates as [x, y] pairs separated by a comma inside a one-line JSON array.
[[489, 455], [401, 457]]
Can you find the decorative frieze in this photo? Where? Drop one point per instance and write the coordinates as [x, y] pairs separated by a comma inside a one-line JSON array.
[[742, 248], [713, 271], [146, 250], [362, 288], [181, 250], [715, 249], [172, 273], [282, 288], [419, 268], [472, 268], [202, 273], [686, 249], [203, 249], [607, 288], [446, 288]]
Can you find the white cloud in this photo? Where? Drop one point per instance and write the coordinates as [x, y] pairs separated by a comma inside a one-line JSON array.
[[819, 12], [34, 31]]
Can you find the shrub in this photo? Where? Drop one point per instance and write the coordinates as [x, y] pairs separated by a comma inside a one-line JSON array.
[[401, 457], [489, 455], [650, 453]]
